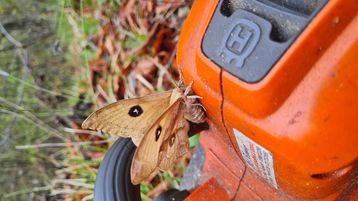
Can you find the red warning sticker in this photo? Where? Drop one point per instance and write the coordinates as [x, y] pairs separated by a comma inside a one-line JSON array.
[[256, 157]]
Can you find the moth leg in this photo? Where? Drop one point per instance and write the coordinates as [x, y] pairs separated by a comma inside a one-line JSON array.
[[200, 105], [193, 102], [194, 97]]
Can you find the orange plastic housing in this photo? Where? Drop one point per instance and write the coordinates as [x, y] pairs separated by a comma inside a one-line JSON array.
[[305, 111]]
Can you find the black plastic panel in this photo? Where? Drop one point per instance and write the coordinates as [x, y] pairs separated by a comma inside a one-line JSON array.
[[247, 37]]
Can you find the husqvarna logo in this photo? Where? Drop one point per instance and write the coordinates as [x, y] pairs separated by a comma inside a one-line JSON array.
[[240, 41]]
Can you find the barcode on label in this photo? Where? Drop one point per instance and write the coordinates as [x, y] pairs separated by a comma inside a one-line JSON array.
[[256, 157]]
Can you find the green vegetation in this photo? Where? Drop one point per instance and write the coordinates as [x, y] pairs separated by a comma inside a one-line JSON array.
[[33, 97]]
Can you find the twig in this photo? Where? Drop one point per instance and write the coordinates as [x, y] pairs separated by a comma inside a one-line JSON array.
[[73, 182], [88, 197], [26, 191], [11, 39], [17, 44], [144, 81], [34, 120], [42, 89], [130, 83], [70, 191], [81, 131], [26, 44], [53, 145], [104, 94], [73, 168], [165, 70]]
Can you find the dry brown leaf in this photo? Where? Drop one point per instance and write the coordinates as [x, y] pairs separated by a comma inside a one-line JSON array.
[[164, 40], [127, 9], [98, 65], [142, 90]]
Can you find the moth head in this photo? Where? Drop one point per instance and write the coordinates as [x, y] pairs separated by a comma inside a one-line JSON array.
[[176, 94]]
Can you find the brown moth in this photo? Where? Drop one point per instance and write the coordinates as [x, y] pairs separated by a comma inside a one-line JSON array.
[[157, 124]]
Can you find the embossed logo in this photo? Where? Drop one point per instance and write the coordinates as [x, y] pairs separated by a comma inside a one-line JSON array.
[[239, 42]]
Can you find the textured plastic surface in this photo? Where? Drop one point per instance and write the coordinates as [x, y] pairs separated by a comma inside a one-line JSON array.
[[209, 191], [247, 37], [192, 174]]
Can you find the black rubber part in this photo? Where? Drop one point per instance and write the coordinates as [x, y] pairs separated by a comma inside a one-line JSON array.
[[113, 180], [172, 195], [196, 128]]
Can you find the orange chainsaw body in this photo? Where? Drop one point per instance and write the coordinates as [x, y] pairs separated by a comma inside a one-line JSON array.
[[303, 113]]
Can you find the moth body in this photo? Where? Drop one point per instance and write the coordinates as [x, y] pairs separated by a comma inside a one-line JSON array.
[[157, 124], [193, 110]]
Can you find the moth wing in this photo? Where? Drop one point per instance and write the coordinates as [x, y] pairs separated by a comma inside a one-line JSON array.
[[146, 156], [130, 117], [175, 146]]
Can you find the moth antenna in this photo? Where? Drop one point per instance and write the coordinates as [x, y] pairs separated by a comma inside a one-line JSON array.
[[180, 76], [188, 88], [180, 83]]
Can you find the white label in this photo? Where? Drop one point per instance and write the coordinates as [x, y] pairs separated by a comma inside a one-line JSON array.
[[256, 157]]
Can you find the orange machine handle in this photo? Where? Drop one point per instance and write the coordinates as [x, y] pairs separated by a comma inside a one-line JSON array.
[[304, 112]]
